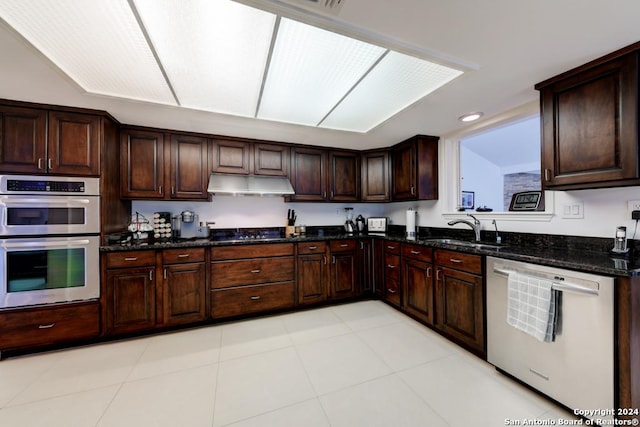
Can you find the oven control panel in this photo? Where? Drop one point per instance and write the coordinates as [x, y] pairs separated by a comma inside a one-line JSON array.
[[59, 185], [14, 185]]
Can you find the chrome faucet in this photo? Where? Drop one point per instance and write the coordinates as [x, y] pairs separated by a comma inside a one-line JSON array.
[[475, 226], [498, 238]]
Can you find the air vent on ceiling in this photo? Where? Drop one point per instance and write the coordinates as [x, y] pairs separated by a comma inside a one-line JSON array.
[[325, 6]]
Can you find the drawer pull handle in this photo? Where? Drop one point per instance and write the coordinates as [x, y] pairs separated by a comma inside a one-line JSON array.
[[313, 248], [415, 252], [428, 272], [391, 266], [183, 256], [344, 245], [457, 261], [391, 291], [256, 271], [255, 298], [391, 247], [49, 326], [133, 258]]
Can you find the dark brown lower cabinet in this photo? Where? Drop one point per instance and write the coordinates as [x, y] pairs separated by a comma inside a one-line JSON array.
[[418, 289], [365, 265], [460, 298], [392, 274], [54, 324], [130, 300], [184, 293], [312, 274], [344, 281]]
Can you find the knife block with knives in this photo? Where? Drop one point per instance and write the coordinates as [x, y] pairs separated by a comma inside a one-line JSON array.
[[290, 229]]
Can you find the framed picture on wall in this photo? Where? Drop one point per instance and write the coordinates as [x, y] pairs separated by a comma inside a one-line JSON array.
[[467, 200]]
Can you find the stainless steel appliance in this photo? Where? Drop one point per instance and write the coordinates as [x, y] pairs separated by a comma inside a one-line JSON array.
[[349, 226], [377, 224], [360, 223], [49, 239], [577, 368], [186, 226]]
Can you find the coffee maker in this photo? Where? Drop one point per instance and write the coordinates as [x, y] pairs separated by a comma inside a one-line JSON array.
[[185, 225]]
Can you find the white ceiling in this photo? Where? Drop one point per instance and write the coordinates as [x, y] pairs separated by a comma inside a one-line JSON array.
[[506, 45]]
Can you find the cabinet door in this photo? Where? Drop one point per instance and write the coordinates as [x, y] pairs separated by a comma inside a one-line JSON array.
[[375, 176], [312, 278], [378, 267], [418, 289], [365, 265], [344, 275], [344, 176], [74, 144], [23, 139], [460, 307], [308, 174], [230, 157], [189, 167], [392, 279], [271, 159], [590, 131], [131, 300], [404, 172], [184, 293], [142, 164]]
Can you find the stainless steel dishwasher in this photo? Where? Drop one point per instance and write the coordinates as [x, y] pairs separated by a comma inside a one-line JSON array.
[[577, 368]]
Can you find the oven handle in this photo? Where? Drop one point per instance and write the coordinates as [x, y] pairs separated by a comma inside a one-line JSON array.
[[559, 286], [9, 244], [44, 200]]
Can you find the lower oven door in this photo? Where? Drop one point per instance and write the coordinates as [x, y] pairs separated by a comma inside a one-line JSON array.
[[49, 270]]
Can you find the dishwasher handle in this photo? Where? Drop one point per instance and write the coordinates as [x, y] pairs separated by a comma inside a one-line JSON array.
[[556, 285]]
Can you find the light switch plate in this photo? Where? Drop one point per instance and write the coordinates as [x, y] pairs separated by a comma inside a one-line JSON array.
[[573, 210]]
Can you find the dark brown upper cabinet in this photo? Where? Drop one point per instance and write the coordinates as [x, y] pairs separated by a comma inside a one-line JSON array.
[[308, 174], [156, 165], [344, 176], [376, 176], [415, 169], [142, 164], [189, 171], [271, 159], [590, 124], [35, 141], [231, 156]]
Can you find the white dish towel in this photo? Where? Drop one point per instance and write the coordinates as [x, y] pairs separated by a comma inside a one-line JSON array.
[[532, 306]]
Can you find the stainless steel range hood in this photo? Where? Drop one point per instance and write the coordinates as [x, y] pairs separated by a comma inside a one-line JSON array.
[[249, 185]]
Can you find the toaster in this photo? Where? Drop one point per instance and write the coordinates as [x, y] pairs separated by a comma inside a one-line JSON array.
[[377, 225]]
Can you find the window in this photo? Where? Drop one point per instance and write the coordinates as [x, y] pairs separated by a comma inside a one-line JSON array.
[[499, 162]]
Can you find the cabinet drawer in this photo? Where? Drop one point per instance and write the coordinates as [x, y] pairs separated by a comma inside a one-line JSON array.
[[42, 326], [251, 271], [392, 248], [392, 291], [459, 261], [251, 299], [175, 256], [343, 245], [252, 251], [419, 253], [130, 259], [392, 267], [312, 248]]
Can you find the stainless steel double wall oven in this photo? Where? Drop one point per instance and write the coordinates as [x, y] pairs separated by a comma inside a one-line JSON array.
[[49, 239]]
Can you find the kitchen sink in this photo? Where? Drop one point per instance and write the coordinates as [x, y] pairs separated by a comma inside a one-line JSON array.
[[456, 242]]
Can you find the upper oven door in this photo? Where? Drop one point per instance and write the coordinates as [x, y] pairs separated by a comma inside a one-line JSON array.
[[25, 215]]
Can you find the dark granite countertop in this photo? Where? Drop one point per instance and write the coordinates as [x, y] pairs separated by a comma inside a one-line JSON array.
[[580, 254]]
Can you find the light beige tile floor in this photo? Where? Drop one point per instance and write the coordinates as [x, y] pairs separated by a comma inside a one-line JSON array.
[[360, 364]]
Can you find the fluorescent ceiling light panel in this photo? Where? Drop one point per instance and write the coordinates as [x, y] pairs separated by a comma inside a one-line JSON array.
[[395, 83], [213, 51], [311, 70], [97, 43]]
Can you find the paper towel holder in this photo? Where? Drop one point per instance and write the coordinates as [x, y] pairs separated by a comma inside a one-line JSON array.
[[411, 224]]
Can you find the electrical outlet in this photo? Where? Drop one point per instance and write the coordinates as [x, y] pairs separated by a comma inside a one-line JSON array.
[[633, 205], [573, 211]]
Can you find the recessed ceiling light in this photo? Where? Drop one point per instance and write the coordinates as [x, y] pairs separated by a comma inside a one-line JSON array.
[[470, 117]]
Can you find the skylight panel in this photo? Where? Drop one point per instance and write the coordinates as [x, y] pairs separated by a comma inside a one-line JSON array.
[[214, 52], [96, 43], [311, 70], [398, 81]]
